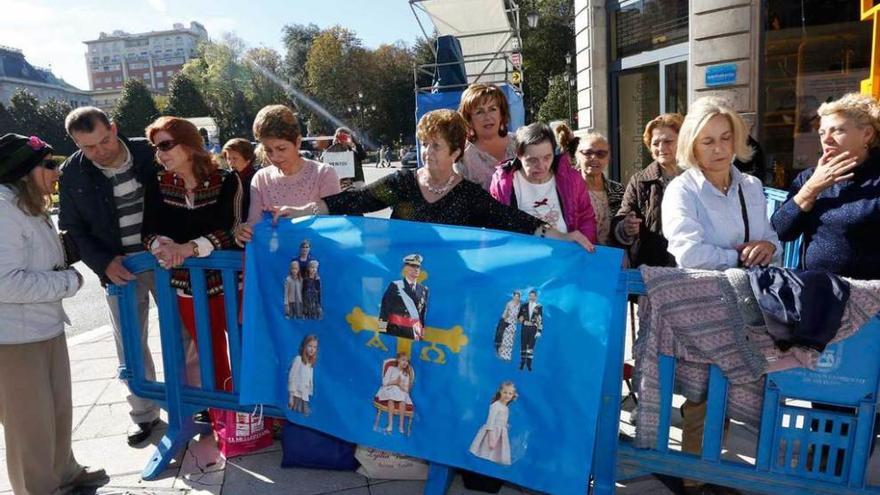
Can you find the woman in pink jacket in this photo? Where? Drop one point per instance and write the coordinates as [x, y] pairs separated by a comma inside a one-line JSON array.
[[544, 185]]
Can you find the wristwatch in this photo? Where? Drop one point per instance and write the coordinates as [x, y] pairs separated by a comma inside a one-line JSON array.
[[195, 247]]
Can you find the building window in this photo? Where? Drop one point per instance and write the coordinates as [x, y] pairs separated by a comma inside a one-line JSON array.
[[647, 25], [160, 84], [169, 73], [810, 56], [118, 78]]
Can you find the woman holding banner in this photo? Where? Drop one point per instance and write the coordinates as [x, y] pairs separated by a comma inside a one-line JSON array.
[[435, 193], [291, 180]]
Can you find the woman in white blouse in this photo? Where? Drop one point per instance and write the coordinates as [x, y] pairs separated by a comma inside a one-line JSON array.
[[714, 216]]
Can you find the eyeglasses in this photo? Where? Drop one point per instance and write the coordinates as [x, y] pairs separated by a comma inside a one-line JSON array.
[[166, 145], [600, 154]]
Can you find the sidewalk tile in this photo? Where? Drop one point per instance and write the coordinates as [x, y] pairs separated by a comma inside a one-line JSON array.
[[79, 413], [202, 467], [262, 473], [132, 484], [104, 420], [115, 393], [86, 393], [113, 454], [93, 369], [395, 487], [92, 350]]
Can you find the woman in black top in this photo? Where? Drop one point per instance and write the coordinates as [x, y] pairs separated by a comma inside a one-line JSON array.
[[192, 212], [435, 193]]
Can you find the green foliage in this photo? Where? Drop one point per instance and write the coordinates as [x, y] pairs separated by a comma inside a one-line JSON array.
[[135, 109], [184, 99], [544, 48], [298, 40], [25, 115], [555, 105]]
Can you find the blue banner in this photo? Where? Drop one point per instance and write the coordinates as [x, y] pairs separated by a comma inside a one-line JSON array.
[[463, 346]]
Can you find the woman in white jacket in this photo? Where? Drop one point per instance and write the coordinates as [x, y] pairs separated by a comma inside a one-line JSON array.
[[35, 398]]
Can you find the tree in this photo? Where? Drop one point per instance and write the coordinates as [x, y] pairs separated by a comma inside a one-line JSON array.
[[265, 71], [184, 99], [389, 84], [25, 109], [298, 40], [555, 104], [7, 121], [544, 48], [51, 117], [135, 109], [334, 67]]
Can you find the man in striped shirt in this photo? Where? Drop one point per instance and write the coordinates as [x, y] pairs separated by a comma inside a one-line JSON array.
[[102, 204]]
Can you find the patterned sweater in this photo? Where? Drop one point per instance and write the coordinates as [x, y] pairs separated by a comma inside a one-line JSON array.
[[213, 214]]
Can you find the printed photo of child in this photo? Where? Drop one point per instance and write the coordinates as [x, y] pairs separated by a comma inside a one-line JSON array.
[[393, 396], [492, 442], [311, 293], [300, 380], [293, 292]]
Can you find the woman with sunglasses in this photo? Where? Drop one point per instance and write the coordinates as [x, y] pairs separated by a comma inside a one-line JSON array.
[[192, 212], [36, 408], [592, 158]]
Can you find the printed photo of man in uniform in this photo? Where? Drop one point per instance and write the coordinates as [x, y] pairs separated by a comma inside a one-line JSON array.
[[531, 315], [405, 302]]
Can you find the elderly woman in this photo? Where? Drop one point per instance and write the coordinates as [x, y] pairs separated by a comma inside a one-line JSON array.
[[435, 193], [192, 212], [239, 154], [593, 155], [291, 180], [637, 223], [714, 216], [487, 114], [543, 184], [836, 204], [37, 410]]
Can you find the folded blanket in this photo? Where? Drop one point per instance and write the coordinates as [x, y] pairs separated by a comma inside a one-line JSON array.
[[693, 315]]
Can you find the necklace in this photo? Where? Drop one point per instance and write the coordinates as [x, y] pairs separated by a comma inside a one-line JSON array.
[[442, 189]]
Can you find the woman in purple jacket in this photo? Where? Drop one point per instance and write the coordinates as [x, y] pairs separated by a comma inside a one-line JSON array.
[[544, 185]]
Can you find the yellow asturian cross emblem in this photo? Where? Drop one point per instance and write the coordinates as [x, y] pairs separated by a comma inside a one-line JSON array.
[[452, 339]]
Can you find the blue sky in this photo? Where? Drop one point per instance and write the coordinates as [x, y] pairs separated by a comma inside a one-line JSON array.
[[51, 32]]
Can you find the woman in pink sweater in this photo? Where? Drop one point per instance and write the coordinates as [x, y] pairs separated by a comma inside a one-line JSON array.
[[544, 185], [291, 180]]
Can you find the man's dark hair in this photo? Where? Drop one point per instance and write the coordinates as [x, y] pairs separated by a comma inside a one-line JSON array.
[[84, 119], [533, 291]]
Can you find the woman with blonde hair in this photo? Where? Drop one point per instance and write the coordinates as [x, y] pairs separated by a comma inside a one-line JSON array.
[[487, 115], [714, 217], [836, 204]]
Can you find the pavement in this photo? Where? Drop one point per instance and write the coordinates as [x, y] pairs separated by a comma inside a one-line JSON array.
[[100, 420]]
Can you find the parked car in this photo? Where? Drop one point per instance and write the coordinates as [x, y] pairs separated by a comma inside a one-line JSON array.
[[409, 160]]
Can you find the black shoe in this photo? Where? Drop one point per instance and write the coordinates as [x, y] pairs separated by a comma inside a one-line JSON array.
[[202, 417], [139, 432]]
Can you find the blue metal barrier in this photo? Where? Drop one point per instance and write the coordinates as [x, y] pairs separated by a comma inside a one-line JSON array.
[[799, 450]]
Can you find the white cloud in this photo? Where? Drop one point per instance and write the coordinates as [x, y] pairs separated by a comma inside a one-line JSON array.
[[158, 5]]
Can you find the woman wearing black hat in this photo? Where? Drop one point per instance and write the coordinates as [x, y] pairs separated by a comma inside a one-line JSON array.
[[35, 398]]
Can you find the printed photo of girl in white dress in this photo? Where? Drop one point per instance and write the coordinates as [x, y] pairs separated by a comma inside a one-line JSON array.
[[396, 384], [293, 292], [300, 381], [505, 332], [492, 442]]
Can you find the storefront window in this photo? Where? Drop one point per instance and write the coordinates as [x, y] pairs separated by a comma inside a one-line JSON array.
[[814, 51], [646, 25]]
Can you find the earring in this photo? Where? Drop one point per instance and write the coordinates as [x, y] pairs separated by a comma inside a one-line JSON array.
[[502, 130]]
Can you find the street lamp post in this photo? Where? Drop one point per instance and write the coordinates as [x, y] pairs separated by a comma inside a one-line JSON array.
[[568, 79], [532, 19]]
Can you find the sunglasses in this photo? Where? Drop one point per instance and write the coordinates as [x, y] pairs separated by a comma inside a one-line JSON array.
[[49, 164], [600, 154], [166, 145]]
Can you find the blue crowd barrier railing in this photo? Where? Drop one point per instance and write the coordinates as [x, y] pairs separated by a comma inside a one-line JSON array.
[[800, 450]]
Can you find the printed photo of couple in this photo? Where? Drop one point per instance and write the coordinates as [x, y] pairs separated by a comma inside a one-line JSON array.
[[302, 287], [405, 302], [529, 315]]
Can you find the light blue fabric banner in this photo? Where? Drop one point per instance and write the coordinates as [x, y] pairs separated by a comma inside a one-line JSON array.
[[462, 372]]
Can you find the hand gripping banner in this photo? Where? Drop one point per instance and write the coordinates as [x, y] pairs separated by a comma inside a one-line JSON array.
[[467, 347]]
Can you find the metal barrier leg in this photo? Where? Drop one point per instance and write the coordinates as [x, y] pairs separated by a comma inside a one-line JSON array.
[[439, 479], [174, 441]]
